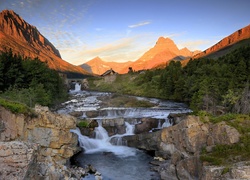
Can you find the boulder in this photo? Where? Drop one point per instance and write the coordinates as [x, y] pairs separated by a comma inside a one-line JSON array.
[[146, 125], [221, 133]]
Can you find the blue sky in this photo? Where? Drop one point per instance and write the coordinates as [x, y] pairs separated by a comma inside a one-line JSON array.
[[122, 30]]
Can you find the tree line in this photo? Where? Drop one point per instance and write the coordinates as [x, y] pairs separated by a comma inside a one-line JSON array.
[[29, 81], [206, 84]]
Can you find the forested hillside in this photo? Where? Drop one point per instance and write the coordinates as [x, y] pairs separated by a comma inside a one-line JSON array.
[[206, 84], [29, 81]]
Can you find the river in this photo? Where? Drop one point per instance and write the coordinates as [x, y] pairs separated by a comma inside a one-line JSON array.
[[109, 154]]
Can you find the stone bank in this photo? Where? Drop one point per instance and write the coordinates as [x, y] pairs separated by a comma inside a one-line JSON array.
[[180, 147], [37, 147]]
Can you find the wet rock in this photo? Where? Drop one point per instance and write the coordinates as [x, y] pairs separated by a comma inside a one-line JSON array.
[[146, 125], [92, 114], [77, 172], [98, 176], [76, 113], [155, 163], [91, 169]]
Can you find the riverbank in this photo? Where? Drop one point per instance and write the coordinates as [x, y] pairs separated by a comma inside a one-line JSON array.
[[37, 145], [200, 148]]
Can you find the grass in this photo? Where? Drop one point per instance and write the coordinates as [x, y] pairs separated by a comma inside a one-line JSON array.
[[83, 124], [16, 107], [125, 84]]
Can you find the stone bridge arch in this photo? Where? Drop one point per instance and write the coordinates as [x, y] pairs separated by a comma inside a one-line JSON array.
[[70, 82]]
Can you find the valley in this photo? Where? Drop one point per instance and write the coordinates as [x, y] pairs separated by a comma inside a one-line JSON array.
[[172, 113]]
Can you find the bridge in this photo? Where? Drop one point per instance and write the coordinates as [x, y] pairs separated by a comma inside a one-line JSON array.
[[70, 82]]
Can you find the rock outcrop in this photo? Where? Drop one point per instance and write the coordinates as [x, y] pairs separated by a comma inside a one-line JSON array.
[[181, 145], [44, 141], [26, 40]]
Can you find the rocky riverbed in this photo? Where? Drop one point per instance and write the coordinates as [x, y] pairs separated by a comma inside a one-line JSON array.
[[40, 146]]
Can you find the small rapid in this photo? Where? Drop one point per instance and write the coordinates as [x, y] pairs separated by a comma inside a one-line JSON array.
[[110, 155], [102, 142]]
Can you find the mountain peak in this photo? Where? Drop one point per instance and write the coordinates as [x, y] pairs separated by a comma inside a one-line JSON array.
[[9, 12], [11, 24], [24, 39], [163, 44], [164, 41]]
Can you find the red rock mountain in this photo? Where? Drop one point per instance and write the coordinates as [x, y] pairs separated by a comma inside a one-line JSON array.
[[230, 40], [99, 66], [26, 40], [163, 51]]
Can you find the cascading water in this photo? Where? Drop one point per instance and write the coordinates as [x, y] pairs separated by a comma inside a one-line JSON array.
[[100, 132], [118, 138], [106, 153], [167, 123], [102, 143], [77, 88]]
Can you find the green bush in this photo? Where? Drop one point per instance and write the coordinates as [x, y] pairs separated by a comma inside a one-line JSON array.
[[83, 124], [29, 81], [15, 107]]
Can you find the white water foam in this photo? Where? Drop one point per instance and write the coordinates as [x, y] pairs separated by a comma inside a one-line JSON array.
[[167, 123], [101, 143], [77, 88]]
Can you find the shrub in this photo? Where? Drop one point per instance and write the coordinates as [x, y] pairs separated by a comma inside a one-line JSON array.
[[15, 107], [83, 124]]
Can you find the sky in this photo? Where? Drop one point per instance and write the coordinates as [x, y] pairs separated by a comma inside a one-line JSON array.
[[123, 30]]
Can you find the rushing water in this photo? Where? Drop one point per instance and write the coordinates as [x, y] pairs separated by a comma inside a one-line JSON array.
[[110, 155], [113, 160]]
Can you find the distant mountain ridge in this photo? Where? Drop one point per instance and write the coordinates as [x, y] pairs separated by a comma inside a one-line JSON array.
[[164, 51], [236, 37], [26, 40], [99, 66]]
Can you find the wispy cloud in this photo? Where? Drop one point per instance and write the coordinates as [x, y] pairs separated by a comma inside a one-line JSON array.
[[109, 49], [121, 50], [171, 35], [139, 24], [197, 44]]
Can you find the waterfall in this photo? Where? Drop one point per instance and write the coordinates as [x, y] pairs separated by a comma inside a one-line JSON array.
[[102, 143], [159, 124], [167, 123], [129, 129], [100, 132], [118, 138], [77, 87]]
